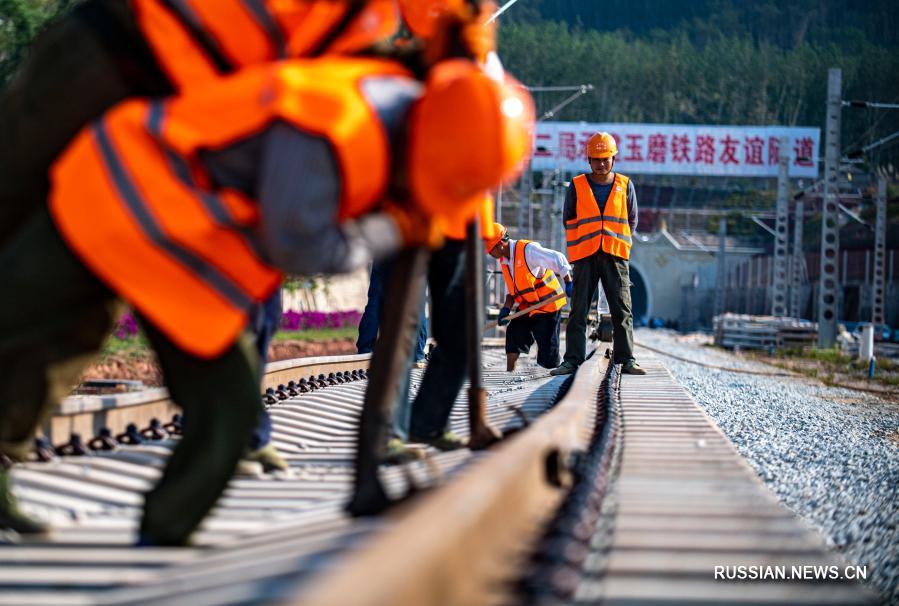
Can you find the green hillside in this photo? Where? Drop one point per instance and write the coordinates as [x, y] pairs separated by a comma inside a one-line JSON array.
[[713, 61]]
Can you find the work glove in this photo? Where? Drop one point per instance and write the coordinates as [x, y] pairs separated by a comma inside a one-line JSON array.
[[415, 227], [569, 286], [501, 321]]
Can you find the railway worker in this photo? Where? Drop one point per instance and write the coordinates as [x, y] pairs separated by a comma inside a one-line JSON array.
[[600, 217], [429, 20], [185, 206], [105, 51], [522, 261], [448, 365]]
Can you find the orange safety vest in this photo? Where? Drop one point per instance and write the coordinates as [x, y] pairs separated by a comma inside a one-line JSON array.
[[591, 230], [195, 40], [527, 289], [133, 200]]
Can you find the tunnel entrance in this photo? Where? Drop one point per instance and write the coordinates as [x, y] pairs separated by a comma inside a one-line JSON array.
[[640, 304]]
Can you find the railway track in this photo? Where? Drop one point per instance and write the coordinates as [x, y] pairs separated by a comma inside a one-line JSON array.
[[619, 493]]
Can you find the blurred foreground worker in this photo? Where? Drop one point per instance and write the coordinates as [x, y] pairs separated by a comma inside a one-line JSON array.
[[448, 364], [522, 261], [105, 51], [600, 217], [184, 207], [447, 27]]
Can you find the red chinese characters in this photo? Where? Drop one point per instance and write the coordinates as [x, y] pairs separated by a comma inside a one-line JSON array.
[[658, 148], [754, 148], [773, 150], [705, 149], [543, 146], [804, 147], [634, 148], [568, 146], [680, 148], [729, 153]]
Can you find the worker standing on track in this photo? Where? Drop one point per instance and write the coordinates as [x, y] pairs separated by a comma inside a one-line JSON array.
[[184, 207], [522, 261], [105, 51], [600, 218]]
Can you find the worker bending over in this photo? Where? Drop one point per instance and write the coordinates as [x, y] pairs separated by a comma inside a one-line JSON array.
[[105, 51], [522, 261], [189, 207]]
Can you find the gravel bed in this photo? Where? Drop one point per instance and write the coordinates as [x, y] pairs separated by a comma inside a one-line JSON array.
[[831, 455]]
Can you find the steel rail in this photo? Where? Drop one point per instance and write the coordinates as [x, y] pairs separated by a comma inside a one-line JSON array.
[[680, 501], [268, 535], [86, 414], [494, 504]]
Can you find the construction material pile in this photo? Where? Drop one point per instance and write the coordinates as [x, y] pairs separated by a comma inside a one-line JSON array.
[[741, 331]]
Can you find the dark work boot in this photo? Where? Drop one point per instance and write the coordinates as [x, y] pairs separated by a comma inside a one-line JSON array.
[[11, 518], [632, 368], [565, 369]]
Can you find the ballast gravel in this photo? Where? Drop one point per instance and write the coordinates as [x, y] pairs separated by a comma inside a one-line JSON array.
[[831, 455]]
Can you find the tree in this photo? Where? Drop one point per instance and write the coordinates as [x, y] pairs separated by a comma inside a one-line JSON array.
[[20, 21]]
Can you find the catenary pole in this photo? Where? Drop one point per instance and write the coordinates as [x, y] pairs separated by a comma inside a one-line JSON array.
[[828, 297]]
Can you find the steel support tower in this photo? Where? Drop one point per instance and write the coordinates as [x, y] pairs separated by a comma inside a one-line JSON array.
[[720, 278], [781, 232], [880, 240], [798, 259], [828, 296]]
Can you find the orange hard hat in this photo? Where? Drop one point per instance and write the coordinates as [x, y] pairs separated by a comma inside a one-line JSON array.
[[500, 233], [468, 134], [335, 26], [601, 145]]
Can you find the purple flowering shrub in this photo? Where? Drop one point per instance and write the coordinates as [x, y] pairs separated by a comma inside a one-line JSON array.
[[126, 327], [316, 320]]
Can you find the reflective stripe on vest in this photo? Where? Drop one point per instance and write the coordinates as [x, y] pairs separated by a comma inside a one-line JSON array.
[[132, 199], [195, 40], [527, 289], [591, 230]]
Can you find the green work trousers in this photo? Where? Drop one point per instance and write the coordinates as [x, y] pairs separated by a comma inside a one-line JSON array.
[[614, 274], [54, 317]]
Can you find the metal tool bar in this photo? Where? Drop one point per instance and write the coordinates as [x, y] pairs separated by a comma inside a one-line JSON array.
[[388, 370], [482, 434], [526, 310]]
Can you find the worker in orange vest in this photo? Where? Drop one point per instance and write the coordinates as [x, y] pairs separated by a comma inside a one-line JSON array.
[[186, 206], [600, 217], [531, 273], [429, 21], [105, 51]]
